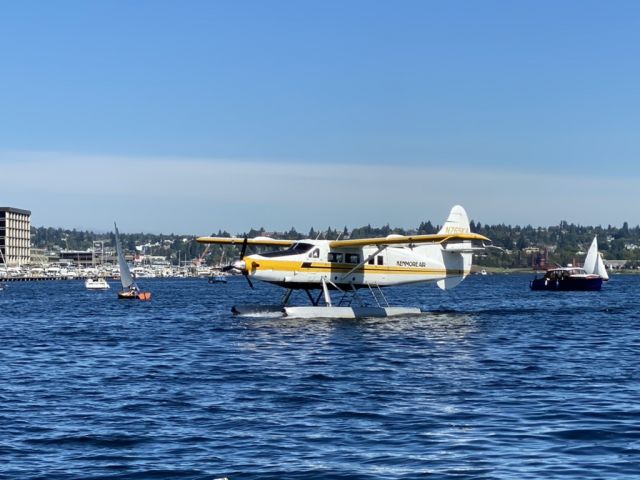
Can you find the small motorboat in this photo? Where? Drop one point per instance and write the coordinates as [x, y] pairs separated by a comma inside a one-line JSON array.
[[217, 279], [566, 279], [96, 284]]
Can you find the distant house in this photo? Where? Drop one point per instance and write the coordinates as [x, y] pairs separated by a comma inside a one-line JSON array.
[[538, 257], [615, 264]]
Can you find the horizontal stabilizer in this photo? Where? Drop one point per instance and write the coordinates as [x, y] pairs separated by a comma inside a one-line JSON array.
[[462, 248]]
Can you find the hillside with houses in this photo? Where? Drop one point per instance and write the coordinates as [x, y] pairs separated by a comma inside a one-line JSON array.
[[516, 246]]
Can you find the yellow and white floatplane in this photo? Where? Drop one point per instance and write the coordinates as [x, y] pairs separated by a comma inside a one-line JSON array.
[[343, 267]]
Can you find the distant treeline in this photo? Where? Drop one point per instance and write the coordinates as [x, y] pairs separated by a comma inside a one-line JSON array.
[[519, 247], [171, 246]]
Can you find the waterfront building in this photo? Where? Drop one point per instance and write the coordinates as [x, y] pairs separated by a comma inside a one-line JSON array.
[[79, 258], [15, 236]]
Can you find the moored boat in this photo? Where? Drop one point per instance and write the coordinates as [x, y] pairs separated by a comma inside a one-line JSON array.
[[219, 278], [96, 284]]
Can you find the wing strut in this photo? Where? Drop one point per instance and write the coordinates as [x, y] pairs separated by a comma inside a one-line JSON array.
[[380, 249], [327, 297]]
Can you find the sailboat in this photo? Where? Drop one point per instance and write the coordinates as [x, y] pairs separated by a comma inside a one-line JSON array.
[[129, 288], [593, 263]]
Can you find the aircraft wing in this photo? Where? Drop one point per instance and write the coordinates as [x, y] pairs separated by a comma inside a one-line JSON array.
[[250, 241], [447, 240]]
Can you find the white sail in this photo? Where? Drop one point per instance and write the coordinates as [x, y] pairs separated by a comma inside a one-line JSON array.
[[591, 258], [601, 269], [125, 274], [593, 263]]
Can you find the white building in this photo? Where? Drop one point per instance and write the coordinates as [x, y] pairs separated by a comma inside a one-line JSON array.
[[15, 236]]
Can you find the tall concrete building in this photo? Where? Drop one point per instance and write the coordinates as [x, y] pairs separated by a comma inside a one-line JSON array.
[[15, 236]]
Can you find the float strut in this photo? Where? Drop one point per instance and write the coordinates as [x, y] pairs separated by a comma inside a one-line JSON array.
[[287, 295], [313, 302]]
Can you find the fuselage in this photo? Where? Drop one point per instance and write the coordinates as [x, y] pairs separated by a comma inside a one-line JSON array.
[[306, 263]]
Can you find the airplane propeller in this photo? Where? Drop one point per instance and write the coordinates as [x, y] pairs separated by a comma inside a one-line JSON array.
[[240, 264]]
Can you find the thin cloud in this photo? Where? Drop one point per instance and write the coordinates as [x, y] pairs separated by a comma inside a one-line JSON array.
[[202, 195]]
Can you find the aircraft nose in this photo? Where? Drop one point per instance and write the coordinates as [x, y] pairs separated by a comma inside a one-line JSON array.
[[240, 265]]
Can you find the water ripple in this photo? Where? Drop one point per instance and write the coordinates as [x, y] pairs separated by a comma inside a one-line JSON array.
[[492, 381]]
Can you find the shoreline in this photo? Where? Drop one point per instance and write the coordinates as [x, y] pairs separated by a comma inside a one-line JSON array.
[[476, 270]]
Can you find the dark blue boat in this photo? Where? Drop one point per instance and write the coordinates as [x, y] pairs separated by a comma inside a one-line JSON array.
[[217, 279], [566, 279]]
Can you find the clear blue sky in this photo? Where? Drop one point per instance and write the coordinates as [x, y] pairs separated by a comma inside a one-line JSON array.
[[277, 114]]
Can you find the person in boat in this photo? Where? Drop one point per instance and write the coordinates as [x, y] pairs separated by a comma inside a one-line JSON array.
[[132, 292]]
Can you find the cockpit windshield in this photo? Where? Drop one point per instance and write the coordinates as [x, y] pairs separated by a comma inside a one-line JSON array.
[[297, 248]]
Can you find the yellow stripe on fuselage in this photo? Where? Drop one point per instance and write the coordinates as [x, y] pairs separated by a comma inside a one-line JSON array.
[[324, 267]]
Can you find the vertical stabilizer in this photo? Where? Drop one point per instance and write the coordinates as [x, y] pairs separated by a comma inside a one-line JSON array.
[[457, 222]]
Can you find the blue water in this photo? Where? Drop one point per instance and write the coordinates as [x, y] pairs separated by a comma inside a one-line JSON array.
[[495, 382]]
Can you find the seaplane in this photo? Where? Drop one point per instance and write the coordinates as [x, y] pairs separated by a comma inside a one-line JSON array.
[[326, 269]]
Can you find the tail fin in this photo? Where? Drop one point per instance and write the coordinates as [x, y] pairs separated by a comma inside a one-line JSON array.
[[457, 222]]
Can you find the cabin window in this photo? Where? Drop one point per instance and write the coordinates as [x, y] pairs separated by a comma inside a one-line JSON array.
[[335, 257], [380, 260], [352, 258], [295, 249], [372, 261], [315, 253]]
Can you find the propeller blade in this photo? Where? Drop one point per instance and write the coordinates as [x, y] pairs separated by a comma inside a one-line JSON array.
[[244, 248], [239, 265]]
